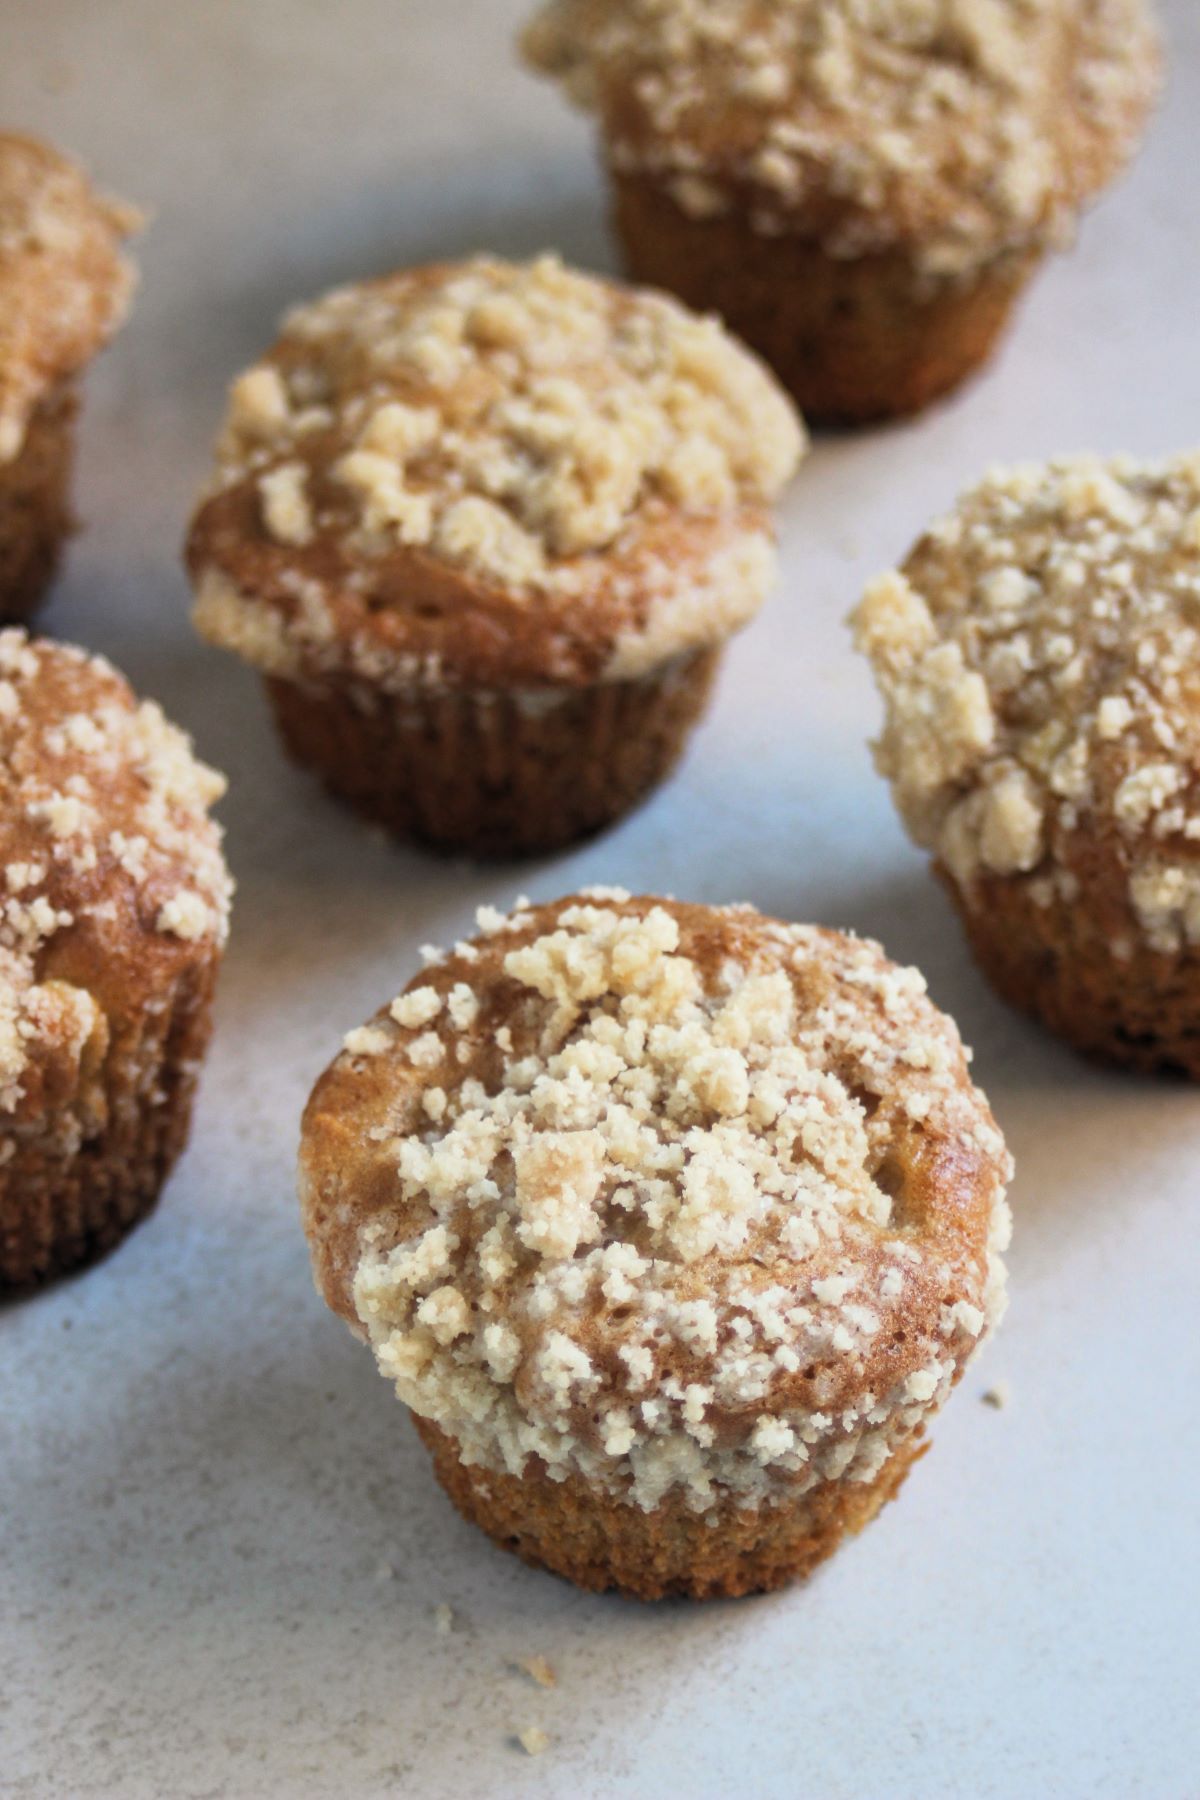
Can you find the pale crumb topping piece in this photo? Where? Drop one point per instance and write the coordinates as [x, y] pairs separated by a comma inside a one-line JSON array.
[[520, 424], [443, 1619], [103, 824], [64, 286], [649, 1217], [953, 128], [1039, 661], [533, 1740], [539, 1671]]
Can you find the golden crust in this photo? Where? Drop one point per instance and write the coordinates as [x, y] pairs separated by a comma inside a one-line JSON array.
[[486, 475], [695, 1349], [949, 133], [64, 285]]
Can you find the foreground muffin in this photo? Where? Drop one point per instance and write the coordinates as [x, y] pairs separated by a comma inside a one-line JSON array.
[[1039, 658], [861, 191], [64, 289], [115, 912], [485, 528], [673, 1225]]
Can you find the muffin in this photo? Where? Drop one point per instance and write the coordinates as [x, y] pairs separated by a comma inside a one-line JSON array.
[[113, 922], [861, 191], [673, 1225], [484, 528], [64, 289], [1039, 660]]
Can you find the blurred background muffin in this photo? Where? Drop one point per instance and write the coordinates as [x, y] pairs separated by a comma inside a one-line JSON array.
[[861, 191], [64, 289], [485, 529]]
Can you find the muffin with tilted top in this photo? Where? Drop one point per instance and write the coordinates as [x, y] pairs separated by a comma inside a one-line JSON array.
[[673, 1225], [485, 529]]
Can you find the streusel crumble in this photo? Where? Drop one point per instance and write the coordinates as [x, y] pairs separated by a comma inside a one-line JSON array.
[[673, 1226]]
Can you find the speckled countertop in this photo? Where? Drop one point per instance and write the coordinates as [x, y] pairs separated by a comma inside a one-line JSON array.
[[221, 1550]]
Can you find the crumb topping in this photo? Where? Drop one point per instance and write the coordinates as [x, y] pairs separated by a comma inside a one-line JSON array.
[[648, 1213], [1039, 659], [525, 427], [64, 286], [955, 127], [103, 828]]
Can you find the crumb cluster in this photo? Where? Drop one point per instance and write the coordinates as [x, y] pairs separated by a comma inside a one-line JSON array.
[[104, 836], [1039, 658], [650, 1218], [64, 286], [521, 426], [953, 128]]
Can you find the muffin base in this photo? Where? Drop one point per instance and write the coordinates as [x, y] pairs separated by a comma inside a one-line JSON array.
[[70, 1193], [1141, 1013], [852, 339], [492, 773], [599, 1543], [35, 511]]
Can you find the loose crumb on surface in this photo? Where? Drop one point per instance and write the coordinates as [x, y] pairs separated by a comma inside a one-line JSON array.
[[539, 1670], [998, 1395], [533, 1740], [443, 1619]]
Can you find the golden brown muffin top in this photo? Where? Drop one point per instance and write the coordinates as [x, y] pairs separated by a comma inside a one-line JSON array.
[[1039, 658], [487, 472], [949, 129], [64, 285], [111, 868], [672, 1196]]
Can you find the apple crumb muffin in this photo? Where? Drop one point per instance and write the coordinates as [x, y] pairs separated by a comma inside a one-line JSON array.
[[484, 528], [673, 1225], [1039, 660], [114, 915], [861, 190], [64, 290]]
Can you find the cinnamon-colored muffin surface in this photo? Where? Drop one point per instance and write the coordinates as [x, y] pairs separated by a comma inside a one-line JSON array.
[[115, 910], [1039, 659], [485, 529], [861, 191], [64, 289], [673, 1225]]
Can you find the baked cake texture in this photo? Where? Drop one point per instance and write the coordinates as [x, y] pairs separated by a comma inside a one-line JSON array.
[[1039, 660], [484, 528], [64, 289], [114, 914], [673, 1225], [860, 188]]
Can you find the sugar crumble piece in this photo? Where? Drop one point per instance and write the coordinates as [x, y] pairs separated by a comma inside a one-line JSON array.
[[443, 1619], [538, 1670], [533, 1740]]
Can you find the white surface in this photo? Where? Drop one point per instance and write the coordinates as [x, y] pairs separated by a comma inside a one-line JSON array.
[[200, 1473]]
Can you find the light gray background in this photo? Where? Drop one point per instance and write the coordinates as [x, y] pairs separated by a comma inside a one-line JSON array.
[[201, 1475]]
